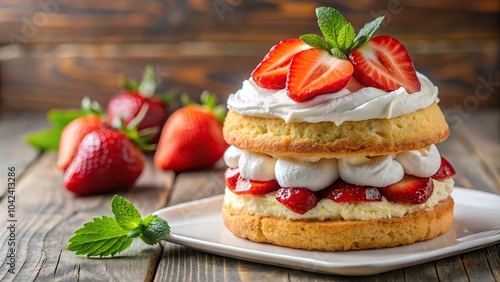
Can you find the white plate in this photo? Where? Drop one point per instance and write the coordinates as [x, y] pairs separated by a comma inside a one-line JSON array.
[[199, 225]]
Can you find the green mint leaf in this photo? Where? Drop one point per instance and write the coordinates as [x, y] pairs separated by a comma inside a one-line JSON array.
[[44, 140], [345, 38], [61, 118], [148, 84], [155, 229], [126, 215], [129, 84], [100, 237], [315, 41], [337, 53], [366, 33], [330, 22]]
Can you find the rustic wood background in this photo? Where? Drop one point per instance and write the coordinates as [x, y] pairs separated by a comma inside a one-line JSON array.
[[54, 52]]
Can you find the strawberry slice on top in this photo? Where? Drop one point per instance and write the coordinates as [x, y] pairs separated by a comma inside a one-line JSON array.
[[314, 72], [272, 70], [384, 63]]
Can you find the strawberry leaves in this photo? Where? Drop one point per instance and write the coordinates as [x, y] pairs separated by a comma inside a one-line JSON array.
[[108, 236], [339, 36]]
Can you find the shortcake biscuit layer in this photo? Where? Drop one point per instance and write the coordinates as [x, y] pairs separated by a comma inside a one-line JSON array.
[[372, 137], [340, 235]]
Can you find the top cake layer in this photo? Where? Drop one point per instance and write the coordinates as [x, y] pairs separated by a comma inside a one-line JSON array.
[[372, 137]]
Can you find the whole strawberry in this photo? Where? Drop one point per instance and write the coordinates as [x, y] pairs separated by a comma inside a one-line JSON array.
[[127, 104], [76, 130], [106, 160], [192, 137]]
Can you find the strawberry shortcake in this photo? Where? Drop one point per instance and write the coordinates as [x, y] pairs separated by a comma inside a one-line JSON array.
[[333, 145]]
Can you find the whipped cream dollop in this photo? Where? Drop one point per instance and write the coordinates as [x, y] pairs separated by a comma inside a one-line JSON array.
[[316, 174], [344, 105], [256, 166], [313, 176], [424, 162], [376, 171]]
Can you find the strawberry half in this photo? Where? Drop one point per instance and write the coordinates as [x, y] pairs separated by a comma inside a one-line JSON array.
[[240, 185], [298, 200], [410, 190], [343, 192], [444, 171], [272, 70], [314, 72], [384, 63]]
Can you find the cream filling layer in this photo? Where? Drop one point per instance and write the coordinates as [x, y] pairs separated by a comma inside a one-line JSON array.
[[326, 209]]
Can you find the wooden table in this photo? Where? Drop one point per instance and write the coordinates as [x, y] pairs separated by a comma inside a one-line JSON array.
[[47, 215]]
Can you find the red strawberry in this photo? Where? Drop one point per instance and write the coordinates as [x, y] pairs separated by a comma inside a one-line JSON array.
[[353, 85], [410, 190], [343, 192], [106, 161], [298, 200], [72, 135], [126, 105], [384, 63], [444, 171], [314, 72], [272, 70], [191, 139], [240, 185]]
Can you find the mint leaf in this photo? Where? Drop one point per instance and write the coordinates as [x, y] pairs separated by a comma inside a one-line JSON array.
[[101, 237], [330, 22], [315, 41], [155, 229], [108, 236], [345, 38], [337, 53], [45, 140], [148, 84], [366, 33], [48, 139], [126, 215]]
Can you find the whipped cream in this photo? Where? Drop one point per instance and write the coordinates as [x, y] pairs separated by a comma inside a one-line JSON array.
[[232, 156], [256, 166], [344, 105], [326, 209], [376, 171], [318, 173], [311, 175], [424, 162]]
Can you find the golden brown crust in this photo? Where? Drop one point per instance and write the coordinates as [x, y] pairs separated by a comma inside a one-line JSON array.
[[361, 138], [341, 235]]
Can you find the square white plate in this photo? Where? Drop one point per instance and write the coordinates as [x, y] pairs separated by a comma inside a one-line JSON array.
[[199, 225]]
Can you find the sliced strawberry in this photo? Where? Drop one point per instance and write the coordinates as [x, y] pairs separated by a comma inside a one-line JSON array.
[[353, 85], [314, 72], [384, 63], [343, 192], [231, 176], [240, 185], [410, 190], [298, 200], [444, 171], [271, 72]]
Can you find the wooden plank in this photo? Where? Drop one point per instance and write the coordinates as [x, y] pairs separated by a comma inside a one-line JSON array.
[[477, 267], [451, 269], [422, 272], [47, 215], [493, 255], [14, 152], [42, 79], [63, 21]]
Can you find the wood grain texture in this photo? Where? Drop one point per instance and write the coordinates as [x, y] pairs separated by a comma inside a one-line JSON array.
[[47, 77], [47, 216], [13, 151], [63, 21]]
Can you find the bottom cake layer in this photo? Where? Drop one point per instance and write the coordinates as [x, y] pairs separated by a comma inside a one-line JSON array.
[[341, 235]]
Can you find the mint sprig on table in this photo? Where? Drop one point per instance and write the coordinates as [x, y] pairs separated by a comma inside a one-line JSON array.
[[108, 236], [339, 37]]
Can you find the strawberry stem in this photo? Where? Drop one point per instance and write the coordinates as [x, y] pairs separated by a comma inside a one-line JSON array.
[[148, 84]]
